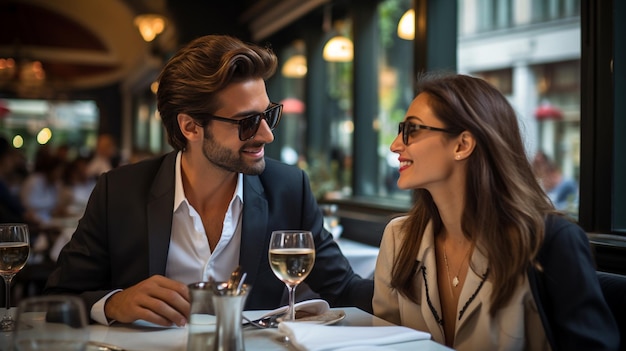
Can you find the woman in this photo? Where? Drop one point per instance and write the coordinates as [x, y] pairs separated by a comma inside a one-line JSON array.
[[457, 265]]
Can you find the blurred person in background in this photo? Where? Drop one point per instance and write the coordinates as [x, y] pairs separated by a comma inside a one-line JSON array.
[[562, 190], [63, 152], [40, 192], [75, 191], [11, 207], [104, 156], [76, 186]]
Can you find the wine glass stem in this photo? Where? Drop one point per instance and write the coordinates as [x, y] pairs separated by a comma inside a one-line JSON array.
[[291, 315], [7, 286]]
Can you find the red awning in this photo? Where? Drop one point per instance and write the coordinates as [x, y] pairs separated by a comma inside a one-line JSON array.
[[547, 111], [4, 110]]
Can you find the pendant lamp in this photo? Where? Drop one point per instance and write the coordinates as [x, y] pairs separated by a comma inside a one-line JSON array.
[[406, 26], [150, 25]]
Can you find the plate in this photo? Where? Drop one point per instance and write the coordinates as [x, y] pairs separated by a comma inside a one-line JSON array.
[[326, 318]]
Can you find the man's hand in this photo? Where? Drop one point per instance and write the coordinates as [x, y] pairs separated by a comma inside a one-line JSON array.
[[158, 300]]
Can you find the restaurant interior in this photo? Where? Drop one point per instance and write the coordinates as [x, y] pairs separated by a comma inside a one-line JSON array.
[[97, 62]]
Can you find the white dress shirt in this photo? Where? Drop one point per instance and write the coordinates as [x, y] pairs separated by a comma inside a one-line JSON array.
[[190, 259]]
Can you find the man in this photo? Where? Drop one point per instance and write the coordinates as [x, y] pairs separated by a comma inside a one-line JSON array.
[[154, 227]]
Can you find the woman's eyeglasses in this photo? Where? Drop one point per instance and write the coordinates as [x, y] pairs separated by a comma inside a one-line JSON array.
[[248, 126], [406, 128]]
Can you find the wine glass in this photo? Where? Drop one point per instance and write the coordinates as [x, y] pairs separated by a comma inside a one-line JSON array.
[[55, 322], [14, 251], [291, 255]]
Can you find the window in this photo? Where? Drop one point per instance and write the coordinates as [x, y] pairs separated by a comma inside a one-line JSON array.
[[395, 93], [530, 50], [30, 124], [537, 67], [149, 135]]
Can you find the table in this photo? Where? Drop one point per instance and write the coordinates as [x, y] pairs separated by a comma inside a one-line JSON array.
[[362, 257], [138, 336]]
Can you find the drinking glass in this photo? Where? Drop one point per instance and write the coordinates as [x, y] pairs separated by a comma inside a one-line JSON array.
[[51, 323], [291, 255], [14, 251]]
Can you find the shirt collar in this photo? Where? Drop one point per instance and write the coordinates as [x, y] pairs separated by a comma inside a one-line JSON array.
[[179, 191]]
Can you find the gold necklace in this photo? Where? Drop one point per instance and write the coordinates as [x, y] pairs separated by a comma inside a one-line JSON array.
[[455, 280]]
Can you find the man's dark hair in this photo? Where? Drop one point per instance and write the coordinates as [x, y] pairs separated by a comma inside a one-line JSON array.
[[191, 80]]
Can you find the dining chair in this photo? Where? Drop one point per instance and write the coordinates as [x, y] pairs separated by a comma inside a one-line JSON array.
[[614, 291]]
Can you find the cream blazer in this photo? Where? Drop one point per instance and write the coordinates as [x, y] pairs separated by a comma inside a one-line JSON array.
[[517, 326]]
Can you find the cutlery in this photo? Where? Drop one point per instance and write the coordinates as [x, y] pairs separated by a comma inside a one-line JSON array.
[[235, 278], [240, 285], [265, 322]]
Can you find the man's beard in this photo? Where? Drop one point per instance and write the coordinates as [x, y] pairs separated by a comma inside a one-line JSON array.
[[228, 160]]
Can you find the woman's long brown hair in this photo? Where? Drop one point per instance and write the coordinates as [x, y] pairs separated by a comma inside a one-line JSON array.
[[505, 206]]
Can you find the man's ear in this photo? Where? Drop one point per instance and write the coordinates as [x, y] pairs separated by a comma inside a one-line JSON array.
[[465, 145], [188, 126]]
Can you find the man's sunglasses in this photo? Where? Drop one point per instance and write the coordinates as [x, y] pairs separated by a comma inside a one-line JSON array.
[[406, 128], [248, 126]]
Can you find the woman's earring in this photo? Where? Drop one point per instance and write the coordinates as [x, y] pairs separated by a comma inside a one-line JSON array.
[[458, 157]]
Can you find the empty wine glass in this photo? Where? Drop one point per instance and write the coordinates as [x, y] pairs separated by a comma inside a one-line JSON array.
[[14, 251], [51, 323], [291, 255]]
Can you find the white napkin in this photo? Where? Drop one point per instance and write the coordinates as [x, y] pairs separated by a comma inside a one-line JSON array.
[[313, 337], [314, 307]]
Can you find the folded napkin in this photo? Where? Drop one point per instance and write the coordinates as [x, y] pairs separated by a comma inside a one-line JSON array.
[[312, 307], [313, 337]]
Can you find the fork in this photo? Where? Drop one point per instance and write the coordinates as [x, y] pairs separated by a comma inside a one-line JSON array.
[[265, 322]]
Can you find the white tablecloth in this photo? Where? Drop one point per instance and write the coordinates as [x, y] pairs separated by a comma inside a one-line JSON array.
[[138, 337]]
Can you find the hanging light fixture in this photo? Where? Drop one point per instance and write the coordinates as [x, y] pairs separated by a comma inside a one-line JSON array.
[[25, 77], [22, 73], [338, 49], [7, 68], [295, 67], [150, 25], [406, 26]]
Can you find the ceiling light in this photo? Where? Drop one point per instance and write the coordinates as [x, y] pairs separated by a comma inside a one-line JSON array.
[[406, 26], [23, 76], [150, 25], [7, 68], [154, 87], [338, 49], [295, 67]]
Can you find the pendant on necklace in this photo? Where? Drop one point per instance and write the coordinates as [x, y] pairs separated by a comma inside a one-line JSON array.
[[455, 281]]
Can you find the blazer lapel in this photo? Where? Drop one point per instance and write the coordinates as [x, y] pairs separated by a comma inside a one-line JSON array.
[[430, 290], [253, 228], [160, 214], [476, 290]]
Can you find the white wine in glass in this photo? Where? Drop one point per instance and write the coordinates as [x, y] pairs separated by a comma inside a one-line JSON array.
[[14, 251], [291, 256]]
